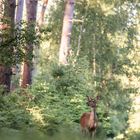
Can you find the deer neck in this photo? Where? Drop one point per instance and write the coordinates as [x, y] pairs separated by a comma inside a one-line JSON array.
[[93, 113], [92, 117]]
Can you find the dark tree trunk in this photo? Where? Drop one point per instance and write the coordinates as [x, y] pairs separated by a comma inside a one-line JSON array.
[[26, 75], [5, 77], [7, 12]]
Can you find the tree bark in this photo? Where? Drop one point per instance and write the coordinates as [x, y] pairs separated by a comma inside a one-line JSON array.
[[9, 11], [19, 12], [26, 77], [18, 19], [42, 13], [5, 77], [66, 32], [1, 9]]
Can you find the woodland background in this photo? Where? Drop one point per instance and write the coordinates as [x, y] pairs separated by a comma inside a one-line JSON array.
[[45, 74]]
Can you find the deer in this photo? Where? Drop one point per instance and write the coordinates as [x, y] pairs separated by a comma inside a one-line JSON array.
[[88, 120]]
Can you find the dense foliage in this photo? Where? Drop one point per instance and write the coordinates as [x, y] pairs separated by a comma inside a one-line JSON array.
[[13, 43]]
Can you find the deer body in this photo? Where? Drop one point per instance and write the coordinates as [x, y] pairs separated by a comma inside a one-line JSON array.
[[88, 120]]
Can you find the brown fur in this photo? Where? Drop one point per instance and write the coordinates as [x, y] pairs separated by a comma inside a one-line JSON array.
[[88, 123]]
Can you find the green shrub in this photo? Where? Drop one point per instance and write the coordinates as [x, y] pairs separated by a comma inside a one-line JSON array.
[[13, 113], [61, 91]]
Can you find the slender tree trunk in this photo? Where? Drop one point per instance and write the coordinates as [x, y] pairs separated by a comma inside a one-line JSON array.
[[66, 32], [42, 13], [19, 12], [1, 9], [26, 78], [8, 12], [18, 19]]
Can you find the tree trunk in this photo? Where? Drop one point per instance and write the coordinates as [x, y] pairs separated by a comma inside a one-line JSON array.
[[19, 12], [26, 77], [5, 77], [42, 13], [66, 32], [7, 12], [1, 9], [18, 19]]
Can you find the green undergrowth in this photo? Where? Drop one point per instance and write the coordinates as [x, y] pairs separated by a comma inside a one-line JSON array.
[[55, 102]]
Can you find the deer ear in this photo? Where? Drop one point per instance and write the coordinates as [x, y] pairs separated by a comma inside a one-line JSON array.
[[88, 98]]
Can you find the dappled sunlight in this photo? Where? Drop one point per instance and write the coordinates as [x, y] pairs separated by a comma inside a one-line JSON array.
[[36, 113], [134, 116]]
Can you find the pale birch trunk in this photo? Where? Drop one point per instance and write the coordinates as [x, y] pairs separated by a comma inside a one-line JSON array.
[[18, 19], [31, 11], [66, 32], [42, 13]]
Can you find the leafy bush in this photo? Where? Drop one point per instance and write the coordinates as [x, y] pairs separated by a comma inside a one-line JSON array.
[[13, 113], [62, 94]]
